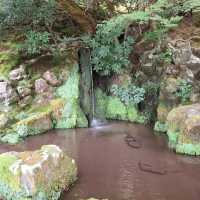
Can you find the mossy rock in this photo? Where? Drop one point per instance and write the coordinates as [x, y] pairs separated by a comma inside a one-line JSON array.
[[23, 175], [62, 112], [183, 132]]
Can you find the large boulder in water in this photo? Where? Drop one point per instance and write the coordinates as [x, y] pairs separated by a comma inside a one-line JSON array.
[[183, 125], [41, 174]]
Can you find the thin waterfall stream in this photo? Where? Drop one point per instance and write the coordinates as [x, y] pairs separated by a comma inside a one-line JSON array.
[[88, 89]]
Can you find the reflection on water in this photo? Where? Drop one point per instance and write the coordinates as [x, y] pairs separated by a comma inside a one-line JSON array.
[[108, 167]]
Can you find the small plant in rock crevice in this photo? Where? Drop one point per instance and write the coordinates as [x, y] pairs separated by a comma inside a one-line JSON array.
[[184, 90]]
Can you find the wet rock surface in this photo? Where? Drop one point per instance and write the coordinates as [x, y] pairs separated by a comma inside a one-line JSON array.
[[44, 173]]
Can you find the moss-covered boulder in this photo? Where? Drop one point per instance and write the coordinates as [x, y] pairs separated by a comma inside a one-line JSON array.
[[183, 125], [41, 174]]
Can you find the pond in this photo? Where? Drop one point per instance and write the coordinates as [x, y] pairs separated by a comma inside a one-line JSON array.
[[110, 168]]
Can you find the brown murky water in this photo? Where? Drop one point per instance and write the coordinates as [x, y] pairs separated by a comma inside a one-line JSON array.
[[109, 168]]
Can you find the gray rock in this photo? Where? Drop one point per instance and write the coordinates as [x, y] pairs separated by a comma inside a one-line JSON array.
[[17, 74], [7, 93], [25, 101], [41, 86], [51, 78], [3, 120], [3, 88], [181, 52], [44, 98], [194, 64], [194, 98], [23, 91]]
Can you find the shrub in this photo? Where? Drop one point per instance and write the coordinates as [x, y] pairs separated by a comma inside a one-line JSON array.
[[129, 94], [35, 42], [26, 13]]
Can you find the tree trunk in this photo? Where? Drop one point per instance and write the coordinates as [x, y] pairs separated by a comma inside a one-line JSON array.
[[86, 22]]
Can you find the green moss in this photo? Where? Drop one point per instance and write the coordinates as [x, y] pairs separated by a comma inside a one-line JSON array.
[[141, 119], [189, 149], [183, 145], [9, 58], [69, 115], [6, 175], [173, 138], [116, 109], [70, 89], [110, 107], [160, 127], [133, 115]]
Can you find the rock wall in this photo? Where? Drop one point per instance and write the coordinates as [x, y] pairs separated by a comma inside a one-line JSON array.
[[178, 107], [35, 98]]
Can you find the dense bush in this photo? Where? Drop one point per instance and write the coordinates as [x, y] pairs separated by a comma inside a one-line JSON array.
[[35, 42], [129, 94], [29, 13]]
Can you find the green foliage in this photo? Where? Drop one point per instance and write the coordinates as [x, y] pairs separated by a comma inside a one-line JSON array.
[[36, 42], [129, 94], [29, 13], [184, 90], [109, 55]]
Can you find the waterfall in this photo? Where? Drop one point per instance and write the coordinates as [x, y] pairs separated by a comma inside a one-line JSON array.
[[95, 121], [92, 94], [87, 97]]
